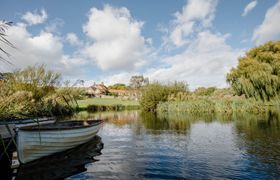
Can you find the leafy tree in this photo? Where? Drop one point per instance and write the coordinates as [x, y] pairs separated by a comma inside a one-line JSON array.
[[35, 91], [154, 93], [36, 79], [258, 72], [202, 91], [138, 81], [118, 86]]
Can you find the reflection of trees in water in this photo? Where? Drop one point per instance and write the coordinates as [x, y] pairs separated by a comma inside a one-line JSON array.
[[118, 118], [179, 122], [63, 164], [157, 122], [259, 135]]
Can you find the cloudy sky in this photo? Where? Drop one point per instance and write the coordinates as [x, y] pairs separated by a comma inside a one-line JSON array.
[[195, 41]]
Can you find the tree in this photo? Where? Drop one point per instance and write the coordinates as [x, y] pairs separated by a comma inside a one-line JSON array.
[[154, 93], [202, 91], [258, 72], [35, 79], [118, 86], [138, 81]]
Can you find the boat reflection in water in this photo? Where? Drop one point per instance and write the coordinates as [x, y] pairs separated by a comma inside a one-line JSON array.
[[62, 164]]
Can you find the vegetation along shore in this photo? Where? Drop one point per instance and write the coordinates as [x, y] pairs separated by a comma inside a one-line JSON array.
[[36, 92], [254, 87]]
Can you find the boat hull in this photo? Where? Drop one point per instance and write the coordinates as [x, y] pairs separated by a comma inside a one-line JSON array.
[[33, 145]]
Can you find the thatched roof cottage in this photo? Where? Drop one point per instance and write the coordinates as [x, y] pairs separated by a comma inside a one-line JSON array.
[[97, 90]]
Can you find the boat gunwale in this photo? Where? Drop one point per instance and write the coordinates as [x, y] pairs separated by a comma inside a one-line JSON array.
[[39, 127], [28, 121]]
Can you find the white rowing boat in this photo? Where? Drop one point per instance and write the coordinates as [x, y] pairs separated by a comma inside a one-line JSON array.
[[7, 126], [36, 141]]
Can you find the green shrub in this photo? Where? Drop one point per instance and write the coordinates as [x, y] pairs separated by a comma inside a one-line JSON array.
[[34, 92], [154, 93], [192, 106], [117, 107], [202, 91], [213, 105]]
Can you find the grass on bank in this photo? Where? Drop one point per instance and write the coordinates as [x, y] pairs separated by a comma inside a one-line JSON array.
[[107, 104], [214, 105], [159, 98]]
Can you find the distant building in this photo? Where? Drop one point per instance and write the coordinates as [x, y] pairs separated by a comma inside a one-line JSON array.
[[126, 94], [97, 90], [119, 92]]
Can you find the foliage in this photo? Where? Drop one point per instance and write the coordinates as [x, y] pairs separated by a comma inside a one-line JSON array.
[[35, 92], [202, 105], [113, 94], [35, 79], [202, 91], [114, 107], [154, 93], [198, 105], [118, 87], [138, 81], [224, 93], [221, 100], [258, 72], [105, 102], [179, 96]]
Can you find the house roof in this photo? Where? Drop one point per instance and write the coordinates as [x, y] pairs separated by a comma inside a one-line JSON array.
[[97, 89]]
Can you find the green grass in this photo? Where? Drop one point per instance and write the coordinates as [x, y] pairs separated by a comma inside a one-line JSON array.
[[213, 105], [106, 104]]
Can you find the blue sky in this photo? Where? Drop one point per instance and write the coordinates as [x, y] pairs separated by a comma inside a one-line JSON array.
[[196, 41]]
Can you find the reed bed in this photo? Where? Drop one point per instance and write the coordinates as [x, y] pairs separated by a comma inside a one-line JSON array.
[[213, 105], [116, 107]]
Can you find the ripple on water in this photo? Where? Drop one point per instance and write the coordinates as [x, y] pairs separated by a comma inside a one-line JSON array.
[[202, 150]]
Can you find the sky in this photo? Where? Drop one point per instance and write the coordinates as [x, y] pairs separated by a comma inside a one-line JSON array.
[[194, 41]]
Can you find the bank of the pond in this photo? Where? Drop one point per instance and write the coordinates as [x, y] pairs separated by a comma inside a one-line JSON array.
[[216, 105], [107, 104]]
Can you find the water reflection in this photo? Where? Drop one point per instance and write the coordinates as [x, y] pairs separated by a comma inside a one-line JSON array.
[[63, 164], [179, 145], [118, 118], [259, 136], [5, 161], [160, 123]]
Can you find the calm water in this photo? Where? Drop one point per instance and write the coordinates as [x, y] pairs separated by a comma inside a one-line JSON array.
[[177, 146]]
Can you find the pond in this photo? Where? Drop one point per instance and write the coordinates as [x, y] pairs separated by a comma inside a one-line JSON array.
[[135, 145]]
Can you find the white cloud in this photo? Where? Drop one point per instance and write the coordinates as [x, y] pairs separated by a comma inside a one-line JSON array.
[[73, 39], [249, 7], [116, 43], [204, 62], [44, 48], [122, 77], [117, 40], [35, 17], [203, 57], [196, 14], [54, 26], [270, 27]]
